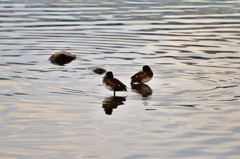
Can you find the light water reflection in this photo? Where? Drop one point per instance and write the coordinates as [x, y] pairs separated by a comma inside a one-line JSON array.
[[190, 109]]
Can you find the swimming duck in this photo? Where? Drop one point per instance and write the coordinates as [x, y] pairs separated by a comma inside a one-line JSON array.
[[142, 76], [112, 83]]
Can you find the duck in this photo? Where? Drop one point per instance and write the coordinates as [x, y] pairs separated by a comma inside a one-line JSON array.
[[113, 84], [142, 76]]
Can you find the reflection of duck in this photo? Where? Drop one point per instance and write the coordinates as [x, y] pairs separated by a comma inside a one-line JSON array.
[[142, 76], [142, 89], [61, 58], [111, 103], [112, 83]]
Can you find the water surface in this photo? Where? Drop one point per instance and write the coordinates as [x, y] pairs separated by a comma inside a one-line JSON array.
[[190, 109]]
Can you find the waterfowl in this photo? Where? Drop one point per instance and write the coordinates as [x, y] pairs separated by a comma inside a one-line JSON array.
[[142, 76], [112, 83]]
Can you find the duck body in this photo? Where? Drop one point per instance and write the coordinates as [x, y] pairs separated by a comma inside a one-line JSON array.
[[112, 83], [142, 76]]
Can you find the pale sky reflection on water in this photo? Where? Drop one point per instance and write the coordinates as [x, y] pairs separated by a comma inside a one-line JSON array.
[[188, 110]]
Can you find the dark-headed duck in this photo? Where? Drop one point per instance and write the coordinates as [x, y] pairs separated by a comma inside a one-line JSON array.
[[112, 83], [142, 76]]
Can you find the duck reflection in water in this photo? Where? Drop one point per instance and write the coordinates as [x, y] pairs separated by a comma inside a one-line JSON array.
[[142, 89], [111, 103]]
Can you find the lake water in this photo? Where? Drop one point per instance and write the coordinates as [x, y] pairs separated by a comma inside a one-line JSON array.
[[190, 109]]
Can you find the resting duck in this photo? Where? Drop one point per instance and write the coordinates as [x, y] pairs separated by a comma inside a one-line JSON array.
[[142, 76], [112, 83]]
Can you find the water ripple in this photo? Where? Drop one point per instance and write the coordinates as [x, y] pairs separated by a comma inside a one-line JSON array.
[[191, 46]]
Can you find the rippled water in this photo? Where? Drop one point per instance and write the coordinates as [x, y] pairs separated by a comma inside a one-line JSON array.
[[190, 109]]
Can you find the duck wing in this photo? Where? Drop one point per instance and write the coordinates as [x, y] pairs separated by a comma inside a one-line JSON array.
[[137, 77], [117, 85]]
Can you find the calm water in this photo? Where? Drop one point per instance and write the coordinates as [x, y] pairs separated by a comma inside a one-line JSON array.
[[190, 109]]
